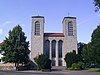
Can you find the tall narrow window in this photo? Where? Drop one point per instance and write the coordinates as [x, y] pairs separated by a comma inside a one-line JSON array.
[[37, 28], [70, 28], [60, 42], [47, 48], [53, 49]]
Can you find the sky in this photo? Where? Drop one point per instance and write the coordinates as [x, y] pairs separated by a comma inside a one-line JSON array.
[[14, 12]]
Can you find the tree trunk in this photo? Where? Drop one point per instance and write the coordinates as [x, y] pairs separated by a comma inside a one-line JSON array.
[[16, 65]]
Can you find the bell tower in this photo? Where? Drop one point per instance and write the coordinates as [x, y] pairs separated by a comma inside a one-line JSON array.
[[70, 34], [37, 34]]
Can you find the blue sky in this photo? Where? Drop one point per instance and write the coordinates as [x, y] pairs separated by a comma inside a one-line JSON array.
[[14, 12]]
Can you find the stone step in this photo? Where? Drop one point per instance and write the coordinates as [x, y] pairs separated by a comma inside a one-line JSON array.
[[58, 68]]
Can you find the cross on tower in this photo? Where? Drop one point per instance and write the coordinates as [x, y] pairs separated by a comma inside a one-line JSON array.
[[68, 14]]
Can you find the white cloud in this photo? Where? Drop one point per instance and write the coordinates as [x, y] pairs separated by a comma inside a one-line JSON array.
[[98, 15], [1, 31], [83, 22], [23, 25], [7, 22]]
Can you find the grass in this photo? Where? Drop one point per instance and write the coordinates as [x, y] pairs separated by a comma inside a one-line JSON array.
[[94, 69]]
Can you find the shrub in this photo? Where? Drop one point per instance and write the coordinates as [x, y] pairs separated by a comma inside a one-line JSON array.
[[71, 58], [82, 65], [75, 66], [43, 62], [78, 66]]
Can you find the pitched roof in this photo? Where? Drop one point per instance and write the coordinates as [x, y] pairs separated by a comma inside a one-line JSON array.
[[54, 34]]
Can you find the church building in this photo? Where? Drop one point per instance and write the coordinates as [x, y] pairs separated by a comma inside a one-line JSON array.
[[54, 45]]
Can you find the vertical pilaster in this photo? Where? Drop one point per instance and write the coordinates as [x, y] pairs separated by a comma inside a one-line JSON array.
[[56, 53], [50, 51]]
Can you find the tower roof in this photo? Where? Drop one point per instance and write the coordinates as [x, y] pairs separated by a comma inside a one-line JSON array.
[[70, 17], [37, 17]]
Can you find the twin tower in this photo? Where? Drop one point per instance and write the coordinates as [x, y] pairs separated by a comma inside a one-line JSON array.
[[54, 45]]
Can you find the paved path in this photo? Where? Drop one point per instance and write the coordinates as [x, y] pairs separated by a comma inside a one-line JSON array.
[[65, 72]]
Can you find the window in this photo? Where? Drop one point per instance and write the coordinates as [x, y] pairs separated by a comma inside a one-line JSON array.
[[70, 28], [60, 42], [53, 49], [37, 28], [47, 48]]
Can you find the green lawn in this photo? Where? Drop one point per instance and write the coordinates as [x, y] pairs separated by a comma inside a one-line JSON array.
[[94, 69]]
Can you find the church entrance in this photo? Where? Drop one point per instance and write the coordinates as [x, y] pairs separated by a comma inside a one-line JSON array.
[[53, 63], [60, 62]]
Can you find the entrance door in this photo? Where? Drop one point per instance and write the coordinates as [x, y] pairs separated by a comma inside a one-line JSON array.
[[53, 62], [60, 62]]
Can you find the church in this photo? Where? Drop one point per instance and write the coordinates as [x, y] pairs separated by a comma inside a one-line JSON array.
[[54, 45]]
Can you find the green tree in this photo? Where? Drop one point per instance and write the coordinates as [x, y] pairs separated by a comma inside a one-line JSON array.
[[71, 58], [80, 50], [88, 54], [15, 47], [95, 42], [81, 47], [92, 50], [78, 66], [43, 62], [97, 5]]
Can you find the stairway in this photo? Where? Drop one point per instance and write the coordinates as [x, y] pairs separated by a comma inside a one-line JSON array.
[[58, 68]]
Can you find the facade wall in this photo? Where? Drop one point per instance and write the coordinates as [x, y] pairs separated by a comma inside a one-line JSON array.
[[57, 39], [69, 41]]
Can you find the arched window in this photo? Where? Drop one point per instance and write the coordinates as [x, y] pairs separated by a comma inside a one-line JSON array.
[[47, 48], [70, 28], [53, 49], [60, 42], [37, 28]]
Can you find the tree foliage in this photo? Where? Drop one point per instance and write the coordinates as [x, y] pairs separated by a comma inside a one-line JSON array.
[[15, 47], [43, 62], [92, 50], [97, 5], [71, 58], [88, 54], [95, 42], [81, 47], [78, 66]]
